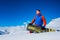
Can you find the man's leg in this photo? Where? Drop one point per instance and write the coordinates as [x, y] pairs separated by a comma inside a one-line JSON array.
[[31, 31]]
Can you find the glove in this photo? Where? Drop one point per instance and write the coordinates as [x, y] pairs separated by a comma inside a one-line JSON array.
[[43, 27], [30, 23]]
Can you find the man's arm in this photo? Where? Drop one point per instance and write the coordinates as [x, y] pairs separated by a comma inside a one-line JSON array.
[[44, 20], [33, 20]]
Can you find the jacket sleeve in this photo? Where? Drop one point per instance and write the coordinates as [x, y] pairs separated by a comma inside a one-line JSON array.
[[33, 20], [44, 20]]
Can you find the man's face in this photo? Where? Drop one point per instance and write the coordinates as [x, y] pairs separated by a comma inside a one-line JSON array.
[[37, 12]]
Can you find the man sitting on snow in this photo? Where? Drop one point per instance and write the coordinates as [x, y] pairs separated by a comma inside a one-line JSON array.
[[39, 20]]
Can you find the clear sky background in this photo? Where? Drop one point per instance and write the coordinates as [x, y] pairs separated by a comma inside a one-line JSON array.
[[16, 12]]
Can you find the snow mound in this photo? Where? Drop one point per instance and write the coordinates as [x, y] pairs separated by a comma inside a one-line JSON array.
[[54, 23]]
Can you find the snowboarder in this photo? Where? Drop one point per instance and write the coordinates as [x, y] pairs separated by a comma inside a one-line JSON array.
[[39, 20]]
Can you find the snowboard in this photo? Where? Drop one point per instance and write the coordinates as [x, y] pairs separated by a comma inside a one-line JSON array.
[[35, 29]]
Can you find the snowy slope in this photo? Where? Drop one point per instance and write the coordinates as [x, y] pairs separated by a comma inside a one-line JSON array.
[[25, 36], [54, 23], [20, 33]]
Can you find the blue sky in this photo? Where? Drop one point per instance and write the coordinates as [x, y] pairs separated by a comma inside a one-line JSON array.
[[16, 12]]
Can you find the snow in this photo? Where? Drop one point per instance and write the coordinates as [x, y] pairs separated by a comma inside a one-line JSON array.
[[54, 23], [24, 35], [20, 33]]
